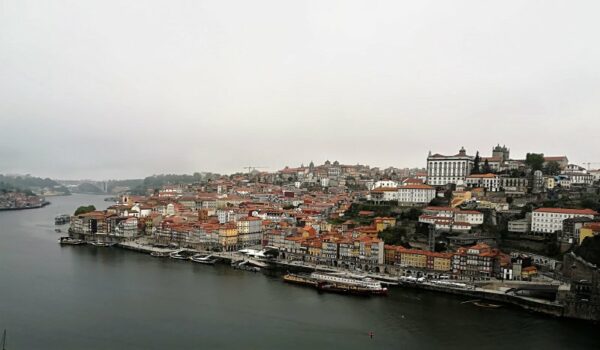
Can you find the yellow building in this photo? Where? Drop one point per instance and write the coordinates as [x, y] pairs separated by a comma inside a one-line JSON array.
[[459, 197], [442, 263], [585, 232], [381, 223], [228, 236], [413, 258]]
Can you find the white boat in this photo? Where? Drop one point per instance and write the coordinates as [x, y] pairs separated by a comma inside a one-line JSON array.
[[183, 254], [204, 259], [102, 244], [363, 282], [158, 254], [70, 241]]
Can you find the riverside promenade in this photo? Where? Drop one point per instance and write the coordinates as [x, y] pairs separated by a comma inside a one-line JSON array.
[[495, 291]]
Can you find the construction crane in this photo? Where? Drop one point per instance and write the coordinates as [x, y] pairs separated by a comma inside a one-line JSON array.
[[589, 164], [251, 168]]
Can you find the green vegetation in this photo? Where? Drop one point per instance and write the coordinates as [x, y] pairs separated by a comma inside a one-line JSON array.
[[439, 202], [476, 162], [84, 209], [29, 184], [411, 214], [395, 236], [535, 161], [126, 184], [552, 168], [88, 188], [486, 167]]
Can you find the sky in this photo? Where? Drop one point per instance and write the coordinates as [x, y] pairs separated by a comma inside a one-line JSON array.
[[107, 89]]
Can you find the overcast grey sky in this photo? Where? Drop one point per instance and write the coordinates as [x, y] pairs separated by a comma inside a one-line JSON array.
[[117, 89]]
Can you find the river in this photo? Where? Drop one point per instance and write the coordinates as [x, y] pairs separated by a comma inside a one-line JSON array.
[[84, 297]]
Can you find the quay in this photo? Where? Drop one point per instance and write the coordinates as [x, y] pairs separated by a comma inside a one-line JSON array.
[[500, 293]]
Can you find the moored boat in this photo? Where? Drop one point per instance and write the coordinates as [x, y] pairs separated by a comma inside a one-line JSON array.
[[348, 284], [486, 305], [183, 254], [345, 288], [300, 279], [70, 241], [160, 254], [102, 244], [62, 219], [204, 259]]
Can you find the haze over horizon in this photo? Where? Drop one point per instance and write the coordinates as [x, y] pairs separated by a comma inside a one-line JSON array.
[[114, 89]]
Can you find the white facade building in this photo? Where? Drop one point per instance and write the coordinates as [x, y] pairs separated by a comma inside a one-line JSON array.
[[491, 182], [550, 220], [249, 231], [473, 217], [442, 170], [385, 183], [415, 194], [384, 194]]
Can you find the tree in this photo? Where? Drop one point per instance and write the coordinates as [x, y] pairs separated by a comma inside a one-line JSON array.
[[476, 162], [393, 235], [552, 168], [412, 214], [535, 161], [84, 209], [486, 167]]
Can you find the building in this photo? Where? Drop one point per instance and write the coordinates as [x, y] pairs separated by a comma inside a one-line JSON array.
[[514, 185], [477, 262], [249, 231], [381, 223], [571, 229], [578, 178], [546, 221], [443, 170], [589, 229], [562, 161], [412, 194], [501, 152], [521, 226], [385, 183], [384, 194], [491, 182]]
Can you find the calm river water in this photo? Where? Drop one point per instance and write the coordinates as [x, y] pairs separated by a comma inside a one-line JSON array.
[[83, 297]]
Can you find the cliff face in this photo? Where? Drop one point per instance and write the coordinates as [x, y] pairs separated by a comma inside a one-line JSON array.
[[589, 250], [583, 299]]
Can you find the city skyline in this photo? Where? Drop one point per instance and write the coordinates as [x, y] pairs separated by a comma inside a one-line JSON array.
[[182, 87]]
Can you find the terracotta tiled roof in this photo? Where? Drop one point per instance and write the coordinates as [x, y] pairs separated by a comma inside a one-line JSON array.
[[566, 211]]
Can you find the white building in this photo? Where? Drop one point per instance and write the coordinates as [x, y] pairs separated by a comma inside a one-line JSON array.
[[249, 231], [384, 194], [385, 183], [442, 170], [472, 217], [580, 178], [129, 227], [491, 182], [550, 220], [415, 194]]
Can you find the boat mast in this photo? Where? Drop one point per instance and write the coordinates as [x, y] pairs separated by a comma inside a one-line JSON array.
[[4, 340]]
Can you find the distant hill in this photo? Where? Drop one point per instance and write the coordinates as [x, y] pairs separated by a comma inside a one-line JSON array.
[[34, 184], [88, 188]]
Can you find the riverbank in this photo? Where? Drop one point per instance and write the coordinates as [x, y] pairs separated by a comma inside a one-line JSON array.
[[35, 206], [121, 300], [470, 290]]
